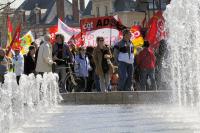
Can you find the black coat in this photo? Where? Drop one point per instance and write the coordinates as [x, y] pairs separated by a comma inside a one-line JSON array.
[[29, 64]]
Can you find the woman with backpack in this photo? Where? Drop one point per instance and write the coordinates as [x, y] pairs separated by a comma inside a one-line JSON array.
[[102, 56]]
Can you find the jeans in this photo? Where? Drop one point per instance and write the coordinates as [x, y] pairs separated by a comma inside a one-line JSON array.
[[104, 82], [125, 76], [144, 75], [97, 83], [61, 73]]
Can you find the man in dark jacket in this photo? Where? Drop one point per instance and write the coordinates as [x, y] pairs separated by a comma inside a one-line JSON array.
[[29, 61], [61, 54]]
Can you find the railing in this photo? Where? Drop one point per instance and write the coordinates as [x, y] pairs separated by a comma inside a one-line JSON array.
[[18, 103]]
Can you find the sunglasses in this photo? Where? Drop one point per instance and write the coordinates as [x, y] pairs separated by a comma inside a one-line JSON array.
[[101, 40]]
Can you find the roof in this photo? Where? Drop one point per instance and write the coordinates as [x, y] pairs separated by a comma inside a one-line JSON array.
[[124, 5], [48, 9], [88, 9], [128, 5]]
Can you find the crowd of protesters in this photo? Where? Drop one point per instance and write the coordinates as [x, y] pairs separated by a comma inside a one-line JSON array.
[[104, 68]]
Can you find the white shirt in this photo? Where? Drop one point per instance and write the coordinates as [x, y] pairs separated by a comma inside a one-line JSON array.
[[124, 57], [18, 62]]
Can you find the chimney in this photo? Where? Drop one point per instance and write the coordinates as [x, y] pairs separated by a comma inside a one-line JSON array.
[[22, 14], [37, 12], [60, 5], [75, 10], [82, 5]]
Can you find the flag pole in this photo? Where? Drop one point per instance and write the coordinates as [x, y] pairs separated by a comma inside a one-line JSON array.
[[110, 35]]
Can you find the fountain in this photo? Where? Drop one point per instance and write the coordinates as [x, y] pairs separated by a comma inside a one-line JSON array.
[[21, 103], [180, 71], [182, 66]]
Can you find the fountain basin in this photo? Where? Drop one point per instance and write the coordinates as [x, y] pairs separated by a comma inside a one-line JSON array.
[[136, 97]]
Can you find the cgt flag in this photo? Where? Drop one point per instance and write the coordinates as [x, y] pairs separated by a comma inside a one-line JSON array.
[[53, 30], [136, 38], [156, 31]]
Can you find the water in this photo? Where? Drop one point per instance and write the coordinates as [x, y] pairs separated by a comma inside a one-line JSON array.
[[115, 119], [182, 66], [19, 103]]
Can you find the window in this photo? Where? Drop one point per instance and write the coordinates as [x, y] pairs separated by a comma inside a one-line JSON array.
[[106, 11], [97, 10]]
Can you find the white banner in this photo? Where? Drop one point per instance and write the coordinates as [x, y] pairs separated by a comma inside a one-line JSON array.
[[67, 31], [110, 36]]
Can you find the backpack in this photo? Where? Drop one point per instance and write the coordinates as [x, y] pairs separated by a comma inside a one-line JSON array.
[[104, 63]]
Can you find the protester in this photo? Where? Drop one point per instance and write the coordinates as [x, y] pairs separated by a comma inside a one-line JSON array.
[[123, 54], [146, 61], [3, 65], [102, 56], [18, 62], [45, 61], [29, 61], [36, 49], [61, 55], [82, 68], [90, 81]]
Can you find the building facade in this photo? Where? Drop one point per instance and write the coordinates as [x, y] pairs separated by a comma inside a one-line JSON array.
[[131, 12]]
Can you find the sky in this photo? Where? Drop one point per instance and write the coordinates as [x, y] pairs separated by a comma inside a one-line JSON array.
[[17, 3]]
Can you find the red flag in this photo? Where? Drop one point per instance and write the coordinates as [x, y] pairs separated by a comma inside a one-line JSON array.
[[15, 43], [77, 40], [52, 31], [155, 31], [10, 29]]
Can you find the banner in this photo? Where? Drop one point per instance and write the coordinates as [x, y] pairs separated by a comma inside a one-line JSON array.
[[67, 31], [90, 24], [10, 29], [26, 41], [156, 31]]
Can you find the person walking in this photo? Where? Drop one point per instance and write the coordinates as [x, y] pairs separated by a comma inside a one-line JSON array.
[[146, 61], [123, 54], [102, 56], [44, 60]]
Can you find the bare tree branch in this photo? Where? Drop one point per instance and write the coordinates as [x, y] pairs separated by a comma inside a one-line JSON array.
[[6, 5]]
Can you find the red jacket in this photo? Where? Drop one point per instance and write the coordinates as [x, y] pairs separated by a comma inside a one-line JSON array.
[[146, 59]]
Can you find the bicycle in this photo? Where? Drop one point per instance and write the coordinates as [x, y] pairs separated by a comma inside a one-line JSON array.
[[72, 83]]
